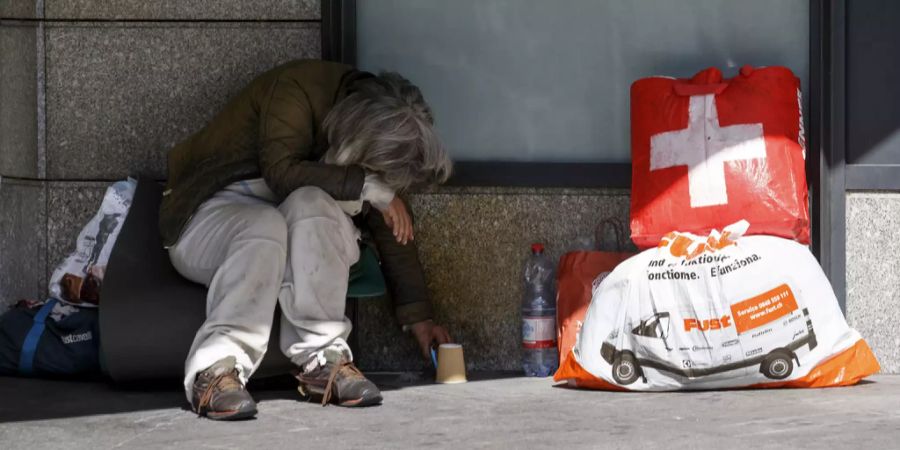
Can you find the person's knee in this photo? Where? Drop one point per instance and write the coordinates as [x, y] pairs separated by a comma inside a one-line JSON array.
[[307, 202], [268, 225]]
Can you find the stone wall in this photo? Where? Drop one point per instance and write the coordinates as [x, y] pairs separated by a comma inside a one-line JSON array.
[[873, 272], [473, 243], [91, 92]]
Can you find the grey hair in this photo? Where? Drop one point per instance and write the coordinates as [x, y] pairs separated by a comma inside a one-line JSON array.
[[386, 127]]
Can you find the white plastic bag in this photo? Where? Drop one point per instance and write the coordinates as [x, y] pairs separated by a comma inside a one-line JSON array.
[[717, 312], [77, 279]]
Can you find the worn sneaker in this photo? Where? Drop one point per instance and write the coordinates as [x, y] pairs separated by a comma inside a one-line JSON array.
[[338, 382], [219, 394]]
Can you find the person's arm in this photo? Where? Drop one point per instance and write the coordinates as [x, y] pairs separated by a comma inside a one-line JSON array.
[[404, 275], [286, 129], [402, 271]]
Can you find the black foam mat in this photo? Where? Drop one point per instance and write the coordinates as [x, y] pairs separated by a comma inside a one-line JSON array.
[[148, 312]]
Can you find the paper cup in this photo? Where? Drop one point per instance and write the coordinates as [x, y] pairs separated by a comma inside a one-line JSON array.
[[451, 366]]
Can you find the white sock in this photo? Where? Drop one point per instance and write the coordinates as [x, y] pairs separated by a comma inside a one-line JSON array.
[[331, 354]]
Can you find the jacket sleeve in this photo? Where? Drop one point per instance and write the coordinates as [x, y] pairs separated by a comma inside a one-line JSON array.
[[402, 271], [286, 144]]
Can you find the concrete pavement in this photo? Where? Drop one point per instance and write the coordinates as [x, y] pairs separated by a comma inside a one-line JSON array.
[[487, 413]]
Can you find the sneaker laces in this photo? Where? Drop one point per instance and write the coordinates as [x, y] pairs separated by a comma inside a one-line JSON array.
[[340, 366], [225, 382]]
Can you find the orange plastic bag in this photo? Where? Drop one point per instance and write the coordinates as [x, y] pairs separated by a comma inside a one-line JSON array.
[[577, 276]]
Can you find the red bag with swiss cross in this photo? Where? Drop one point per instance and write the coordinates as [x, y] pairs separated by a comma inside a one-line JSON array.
[[707, 152]]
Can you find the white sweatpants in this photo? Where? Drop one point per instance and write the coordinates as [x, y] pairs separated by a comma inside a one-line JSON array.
[[251, 253]]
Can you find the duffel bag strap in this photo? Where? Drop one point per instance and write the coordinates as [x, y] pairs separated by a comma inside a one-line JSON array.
[[29, 347]]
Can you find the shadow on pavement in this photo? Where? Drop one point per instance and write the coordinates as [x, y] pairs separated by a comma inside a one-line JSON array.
[[27, 399]]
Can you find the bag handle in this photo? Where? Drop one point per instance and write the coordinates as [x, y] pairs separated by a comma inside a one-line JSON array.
[[618, 230], [707, 81], [29, 347]]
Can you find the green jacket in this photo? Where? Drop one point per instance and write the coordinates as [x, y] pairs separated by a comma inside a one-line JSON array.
[[273, 129]]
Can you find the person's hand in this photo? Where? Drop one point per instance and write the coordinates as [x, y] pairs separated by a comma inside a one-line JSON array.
[[427, 333], [399, 220]]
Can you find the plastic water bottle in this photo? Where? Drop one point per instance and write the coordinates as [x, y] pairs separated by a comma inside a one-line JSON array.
[[539, 354]]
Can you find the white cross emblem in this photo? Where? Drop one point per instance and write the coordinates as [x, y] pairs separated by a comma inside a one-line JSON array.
[[704, 147]]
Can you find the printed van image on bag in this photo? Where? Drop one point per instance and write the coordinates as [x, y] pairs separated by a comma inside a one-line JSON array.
[[766, 335]]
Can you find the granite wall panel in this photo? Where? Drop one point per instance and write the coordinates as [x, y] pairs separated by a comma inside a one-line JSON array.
[[18, 99], [20, 9], [473, 243], [184, 10], [873, 272], [120, 95], [23, 240]]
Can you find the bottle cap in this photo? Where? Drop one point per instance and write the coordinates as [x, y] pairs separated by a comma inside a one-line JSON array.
[[537, 248]]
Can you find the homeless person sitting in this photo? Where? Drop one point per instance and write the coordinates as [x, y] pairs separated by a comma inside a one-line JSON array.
[[263, 205]]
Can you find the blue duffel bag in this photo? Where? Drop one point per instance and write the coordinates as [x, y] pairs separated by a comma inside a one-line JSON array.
[[33, 343]]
